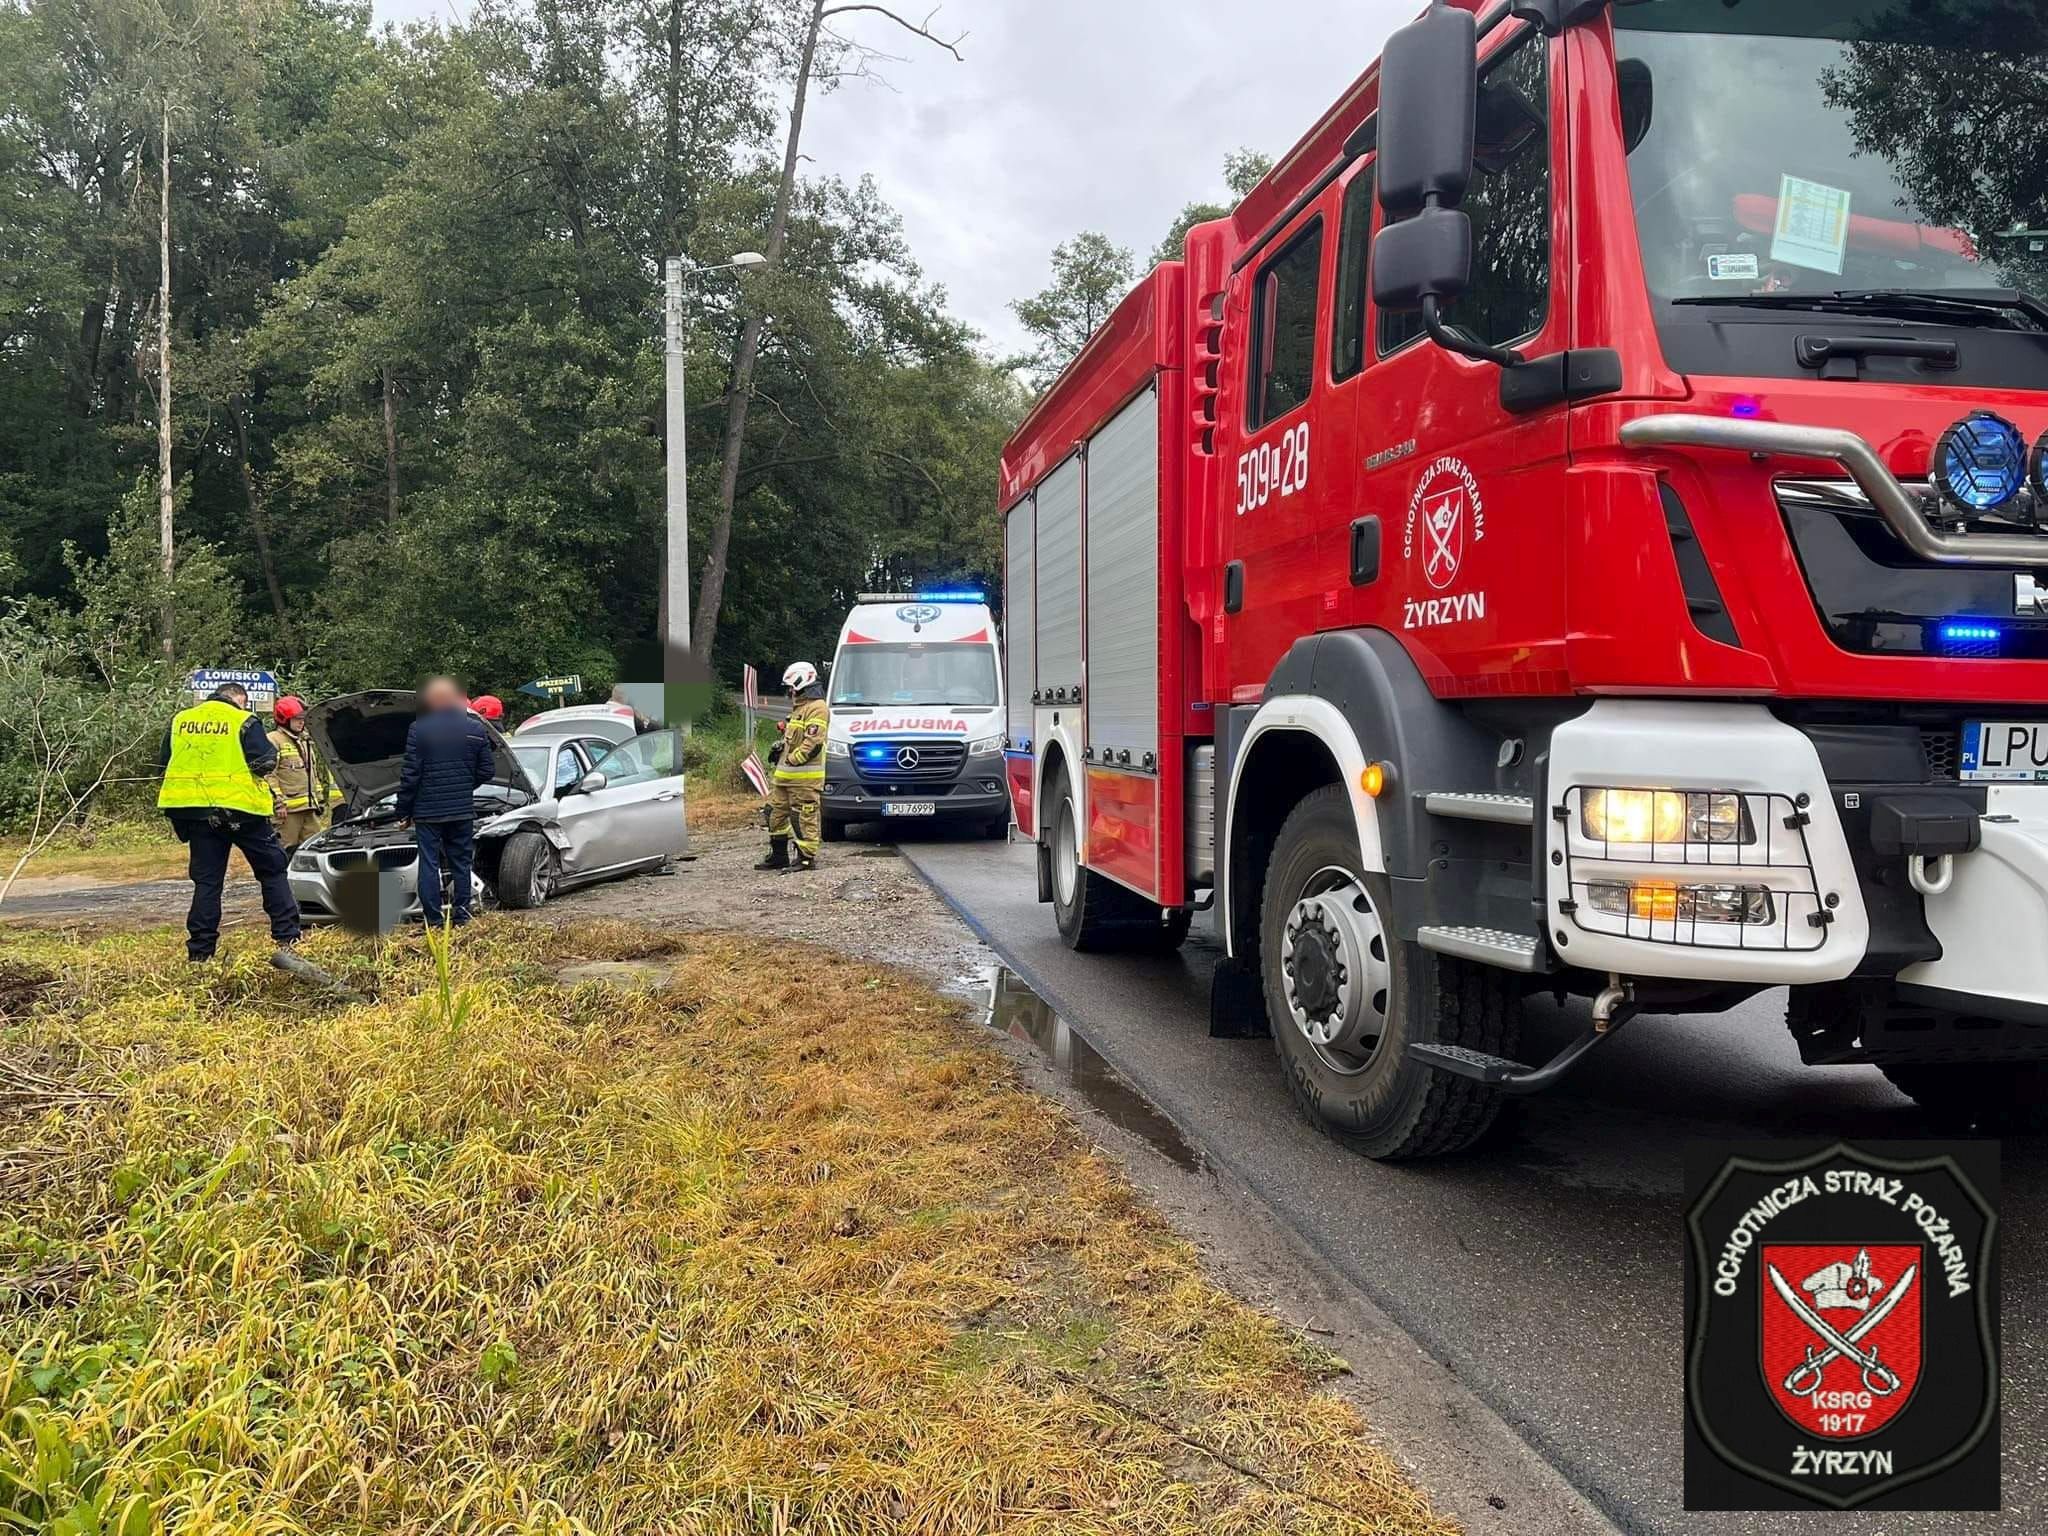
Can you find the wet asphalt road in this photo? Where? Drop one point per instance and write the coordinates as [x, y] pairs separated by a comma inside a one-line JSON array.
[[1546, 1267]]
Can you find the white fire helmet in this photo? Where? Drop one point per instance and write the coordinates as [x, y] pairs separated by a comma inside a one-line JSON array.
[[801, 675]]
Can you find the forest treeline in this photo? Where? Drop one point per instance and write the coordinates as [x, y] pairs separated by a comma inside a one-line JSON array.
[[415, 329]]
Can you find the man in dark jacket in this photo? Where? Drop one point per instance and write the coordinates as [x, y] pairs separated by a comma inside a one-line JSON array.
[[447, 759], [215, 757]]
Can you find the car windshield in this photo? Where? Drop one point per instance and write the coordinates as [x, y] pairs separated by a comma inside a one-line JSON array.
[[1836, 146], [533, 759], [916, 673]]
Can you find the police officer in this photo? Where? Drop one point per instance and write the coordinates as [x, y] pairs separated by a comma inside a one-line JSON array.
[[216, 757], [797, 793], [302, 791]]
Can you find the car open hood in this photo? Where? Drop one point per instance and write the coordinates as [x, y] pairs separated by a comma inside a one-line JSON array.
[[361, 737]]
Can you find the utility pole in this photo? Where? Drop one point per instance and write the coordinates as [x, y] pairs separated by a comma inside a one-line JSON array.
[[676, 640]]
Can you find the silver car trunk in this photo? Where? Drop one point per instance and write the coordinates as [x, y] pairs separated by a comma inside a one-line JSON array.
[[361, 737]]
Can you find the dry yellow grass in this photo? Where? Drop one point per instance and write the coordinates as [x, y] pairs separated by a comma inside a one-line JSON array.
[[780, 1248], [141, 849]]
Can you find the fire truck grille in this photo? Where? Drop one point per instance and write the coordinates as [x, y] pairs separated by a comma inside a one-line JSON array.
[[908, 762], [1941, 748]]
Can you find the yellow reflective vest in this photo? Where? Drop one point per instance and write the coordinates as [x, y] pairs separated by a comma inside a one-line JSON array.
[[803, 745], [207, 769]]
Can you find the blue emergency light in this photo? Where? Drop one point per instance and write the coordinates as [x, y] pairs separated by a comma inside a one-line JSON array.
[[1964, 633], [952, 597]]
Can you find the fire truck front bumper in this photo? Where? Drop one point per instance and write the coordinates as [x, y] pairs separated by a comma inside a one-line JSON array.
[[1718, 842]]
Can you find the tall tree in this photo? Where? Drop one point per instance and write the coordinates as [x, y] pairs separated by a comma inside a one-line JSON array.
[[1090, 276], [826, 55]]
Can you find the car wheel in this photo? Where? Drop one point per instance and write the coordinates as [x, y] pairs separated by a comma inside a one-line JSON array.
[[527, 871], [1345, 998], [834, 831], [996, 829]]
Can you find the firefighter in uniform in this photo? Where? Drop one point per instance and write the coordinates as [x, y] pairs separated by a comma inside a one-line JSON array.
[[302, 791], [798, 790], [217, 759]]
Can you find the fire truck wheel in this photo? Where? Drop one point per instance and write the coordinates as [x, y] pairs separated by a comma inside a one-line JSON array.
[[1345, 998], [1095, 914], [2013, 1094]]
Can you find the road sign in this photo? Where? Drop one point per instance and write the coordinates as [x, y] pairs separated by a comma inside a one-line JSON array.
[[262, 685], [556, 688]]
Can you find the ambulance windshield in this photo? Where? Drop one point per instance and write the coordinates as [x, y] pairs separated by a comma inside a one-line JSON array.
[[944, 674], [1840, 147]]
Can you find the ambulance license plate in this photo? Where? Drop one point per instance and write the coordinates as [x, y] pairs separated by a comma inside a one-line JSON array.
[[910, 807], [2015, 751]]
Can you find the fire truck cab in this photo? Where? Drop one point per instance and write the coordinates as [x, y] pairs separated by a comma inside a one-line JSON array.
[[1578, 527]]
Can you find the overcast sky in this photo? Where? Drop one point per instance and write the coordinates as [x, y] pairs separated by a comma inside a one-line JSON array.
[[1069, 115]]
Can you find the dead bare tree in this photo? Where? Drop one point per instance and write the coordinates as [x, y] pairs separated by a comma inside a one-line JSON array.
[[824, 55], [72, 734]]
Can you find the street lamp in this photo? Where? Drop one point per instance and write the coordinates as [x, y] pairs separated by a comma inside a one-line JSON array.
[[677, 575]]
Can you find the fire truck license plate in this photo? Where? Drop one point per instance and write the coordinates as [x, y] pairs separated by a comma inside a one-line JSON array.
[[2006, 749], [910, 808]]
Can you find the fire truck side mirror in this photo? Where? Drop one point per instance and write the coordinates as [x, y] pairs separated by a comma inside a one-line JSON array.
[[1429, 93], [1426, 257]]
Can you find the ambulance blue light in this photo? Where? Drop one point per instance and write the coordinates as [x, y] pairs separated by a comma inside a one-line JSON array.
[[952, 597], [1980, 463]]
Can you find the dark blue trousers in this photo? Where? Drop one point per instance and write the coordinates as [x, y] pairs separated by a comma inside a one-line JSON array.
[[208, 842], [449, 845]]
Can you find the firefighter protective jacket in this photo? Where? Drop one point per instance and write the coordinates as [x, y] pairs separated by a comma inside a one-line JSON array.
[[803, 744], [300, 779]]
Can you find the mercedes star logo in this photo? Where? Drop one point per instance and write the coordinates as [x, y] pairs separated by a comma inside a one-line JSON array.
[[906, 758]]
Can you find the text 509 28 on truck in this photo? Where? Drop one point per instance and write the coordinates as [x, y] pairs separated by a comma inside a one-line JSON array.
[[1577, 526]]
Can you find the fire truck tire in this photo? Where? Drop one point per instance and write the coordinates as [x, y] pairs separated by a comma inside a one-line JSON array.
[[1095, 914], [2012, 1094], [1345, 998]]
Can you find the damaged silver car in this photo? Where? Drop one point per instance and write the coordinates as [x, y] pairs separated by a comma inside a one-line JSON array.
[[561, 811]]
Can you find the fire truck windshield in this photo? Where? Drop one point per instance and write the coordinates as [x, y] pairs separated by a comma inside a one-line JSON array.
[[1829, 147]]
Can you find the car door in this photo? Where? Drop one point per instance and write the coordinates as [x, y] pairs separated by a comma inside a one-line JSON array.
[[641, 805], [580, 816]]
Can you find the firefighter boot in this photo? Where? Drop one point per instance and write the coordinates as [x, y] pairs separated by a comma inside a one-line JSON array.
[[778, 854], [804, 861]]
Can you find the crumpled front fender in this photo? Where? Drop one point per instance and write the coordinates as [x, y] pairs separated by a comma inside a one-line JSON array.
[[519, 821]]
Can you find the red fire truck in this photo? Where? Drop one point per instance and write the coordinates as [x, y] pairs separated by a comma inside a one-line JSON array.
[[1581, 526]]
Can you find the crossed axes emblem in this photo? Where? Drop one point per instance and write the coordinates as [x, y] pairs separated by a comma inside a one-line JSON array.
[[1441, 521], [1806, 1377]]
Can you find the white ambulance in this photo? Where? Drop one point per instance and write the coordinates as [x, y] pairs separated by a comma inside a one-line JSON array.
[[916, 694]]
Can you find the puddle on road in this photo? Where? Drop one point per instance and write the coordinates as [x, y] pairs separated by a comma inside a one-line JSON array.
[[1020, 1013]]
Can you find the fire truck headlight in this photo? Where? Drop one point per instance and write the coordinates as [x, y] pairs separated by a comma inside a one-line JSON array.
[[1665, 816], [1980, 463], [1663, 901]]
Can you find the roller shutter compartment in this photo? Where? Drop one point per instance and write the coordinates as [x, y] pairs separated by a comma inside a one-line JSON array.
[[1123, 584]]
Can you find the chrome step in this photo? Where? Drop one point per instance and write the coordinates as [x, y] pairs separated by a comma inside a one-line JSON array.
[[1489, 946], [1508, 810]]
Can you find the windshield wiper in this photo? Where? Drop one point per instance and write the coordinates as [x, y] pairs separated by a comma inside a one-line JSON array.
[[1999, 307]]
